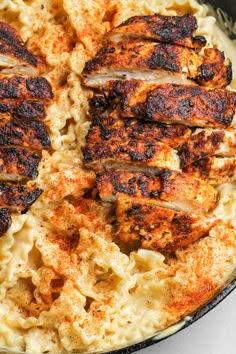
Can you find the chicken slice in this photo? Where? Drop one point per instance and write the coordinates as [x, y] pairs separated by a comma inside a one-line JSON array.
[[172, 103], [159, 229], [134, 154], [24, 133], [5, 220], [171, 189], [18, 164], [25, 88], [22, 109], [208, 142], [169, 29], [18, 197], [157, 62], [14, 56], [216, 170], [103, 129]]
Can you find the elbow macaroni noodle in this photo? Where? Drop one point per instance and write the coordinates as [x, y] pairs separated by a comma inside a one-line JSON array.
[[64, 285]]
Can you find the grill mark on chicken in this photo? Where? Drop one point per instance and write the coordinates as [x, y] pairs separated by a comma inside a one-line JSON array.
[[132, 152], [104, 128], [216, 170], [31, 134], [157, 228], [169, 29], [132, 56], [171, 103], [18, 197], [18, 164], [25, 88], [5, 220], [18, 109], [13, 53], [208, 142], [170, 189]]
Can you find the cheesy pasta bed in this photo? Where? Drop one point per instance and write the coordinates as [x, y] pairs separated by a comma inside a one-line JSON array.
[[64, 284]]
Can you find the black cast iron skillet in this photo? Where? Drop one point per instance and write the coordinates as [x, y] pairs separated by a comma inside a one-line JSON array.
[[229, 7]]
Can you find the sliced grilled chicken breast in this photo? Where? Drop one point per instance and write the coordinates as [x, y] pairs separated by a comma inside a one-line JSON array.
[[5, 220], [105, 128], [172, 103], [149, 61], [18, 197], [14, 56], [25, 88], [208, 142], [158, 228], [216, 170], [18, 164], [171, 189], [169, 29], [22, 109], [134, 154], [31, 134]]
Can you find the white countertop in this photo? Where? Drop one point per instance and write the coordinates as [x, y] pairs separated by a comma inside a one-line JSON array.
[[215, 333]]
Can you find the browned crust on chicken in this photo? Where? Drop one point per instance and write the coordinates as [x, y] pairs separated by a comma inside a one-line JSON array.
[[5, 220], [25, 88], [215, 70], [170, 188], [158, 228], [12, 46], [105, 128], [216, 170], [134, 55], [18, 163], [133, 184], [172, 103], [133, 152], [169, 29], [18, 197], [182, 189], [208, 142], [22, 109], [24, 133]]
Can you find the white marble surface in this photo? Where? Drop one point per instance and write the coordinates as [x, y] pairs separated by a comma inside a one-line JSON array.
[[215, 333]]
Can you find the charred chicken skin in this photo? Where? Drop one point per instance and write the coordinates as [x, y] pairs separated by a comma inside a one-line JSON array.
[[208, 142], [22, 109], [17, 164], [172, 103], [168, 29], [215, 169], [25, 88], [18, 197], [158, 228], [31, 134], [104, 128], [131, 154], [14, 56], [134, 59], [5, 220], [171, 189]]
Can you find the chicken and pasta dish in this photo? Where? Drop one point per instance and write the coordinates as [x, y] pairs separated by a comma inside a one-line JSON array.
[[117, 169]]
